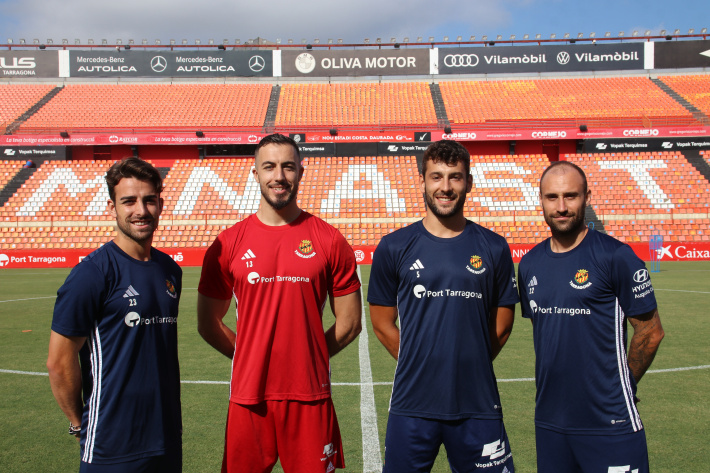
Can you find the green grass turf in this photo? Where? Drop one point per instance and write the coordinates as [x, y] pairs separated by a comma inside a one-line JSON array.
[[675, 407]]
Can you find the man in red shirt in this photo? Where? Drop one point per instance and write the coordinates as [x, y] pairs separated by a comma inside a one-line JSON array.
[[280, 264]]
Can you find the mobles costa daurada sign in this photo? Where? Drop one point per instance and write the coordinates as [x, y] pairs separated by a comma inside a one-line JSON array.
[[568, 57], [170, 63]]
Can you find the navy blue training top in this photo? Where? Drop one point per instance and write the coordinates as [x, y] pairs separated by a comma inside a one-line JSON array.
[[128, 311], [578, 302], [444, 290]]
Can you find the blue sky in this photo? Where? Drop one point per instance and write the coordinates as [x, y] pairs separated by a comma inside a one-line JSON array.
[[350, 20]]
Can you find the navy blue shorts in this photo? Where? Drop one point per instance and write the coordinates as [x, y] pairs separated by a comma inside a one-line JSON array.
[[412, 444], [556, 452], [158, 464]]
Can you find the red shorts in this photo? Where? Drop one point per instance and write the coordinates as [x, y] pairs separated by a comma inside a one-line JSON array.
[[304, 435]]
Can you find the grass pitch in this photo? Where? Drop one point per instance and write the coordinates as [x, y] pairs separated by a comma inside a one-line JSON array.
[[675, 403]]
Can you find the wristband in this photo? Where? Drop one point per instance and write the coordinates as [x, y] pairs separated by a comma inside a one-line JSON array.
[[74, 430]]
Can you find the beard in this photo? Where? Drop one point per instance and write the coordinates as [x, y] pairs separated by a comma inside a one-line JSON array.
[[571, 227], [138, 235], [432, 205], [281, 201]]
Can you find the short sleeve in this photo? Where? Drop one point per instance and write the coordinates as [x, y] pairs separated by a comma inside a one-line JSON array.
[[524, 300], [507, 288], [383, 285], [79, 301], [632, 283], [216, 280], [343, 267]]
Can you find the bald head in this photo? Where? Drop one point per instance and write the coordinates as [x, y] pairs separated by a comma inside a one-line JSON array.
[[563, 167]]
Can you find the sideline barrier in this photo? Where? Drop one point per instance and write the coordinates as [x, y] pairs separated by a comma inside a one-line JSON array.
[[655, 249], [38, 258]]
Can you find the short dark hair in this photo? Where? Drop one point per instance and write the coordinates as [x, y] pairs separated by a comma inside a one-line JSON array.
[[278, 139], [132, 167], [568, 164], [449, 152]]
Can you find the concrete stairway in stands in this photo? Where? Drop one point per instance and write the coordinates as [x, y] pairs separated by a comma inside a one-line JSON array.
[[15, 183], [697, 114], [270, 118], [32, 110]]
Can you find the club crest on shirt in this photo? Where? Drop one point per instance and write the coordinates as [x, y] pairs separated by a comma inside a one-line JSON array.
[[581, 279], [475, 265], [171, 289], [305, 249]]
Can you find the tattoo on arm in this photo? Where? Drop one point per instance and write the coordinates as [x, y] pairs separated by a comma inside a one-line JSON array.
[[647, 336]]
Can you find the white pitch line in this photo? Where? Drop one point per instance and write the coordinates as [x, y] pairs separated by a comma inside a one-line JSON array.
[[29, 299], [376, 383], [681, 290], [371, 458]]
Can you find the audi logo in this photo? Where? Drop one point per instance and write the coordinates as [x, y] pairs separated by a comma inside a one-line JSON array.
[[461, 60]]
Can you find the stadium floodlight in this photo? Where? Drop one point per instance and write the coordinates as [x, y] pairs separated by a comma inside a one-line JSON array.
[[22, 40], [419, 39], [340, 40], [35, 41], [90, 41], [144, 41], [553, 36], [431, 39], [647, 33], [676, 31], [472, 38], [538, 36], [131, 42], [77, 41], [406, 39], [226, 41], [592, 34], [379, 40], [366, 40], [290, 41], [393, 40], [459, 38], [691, 31], [64, 41], [316, 41], [278, 40], [662, 32], [566, 36], [198, 42], [446, 39], [621, 34], [104, 42], [51, 41], [704, 31], [303, 41], [9, 40], [512, 37], [157, 41], [330, 40], [172, 42], [526, 36], [580, 35], [184, 41], [210, 41], [635, 33], [237, 41], [484, 38], [119, 41], [607, 34], [499, 37]]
